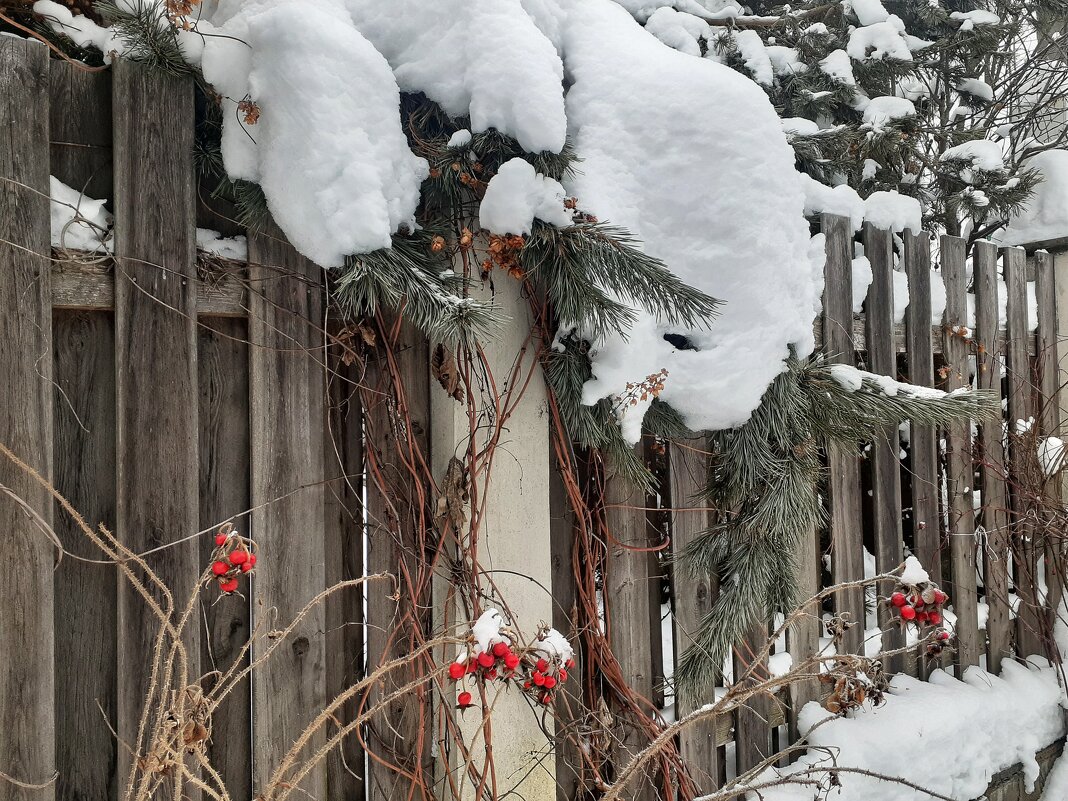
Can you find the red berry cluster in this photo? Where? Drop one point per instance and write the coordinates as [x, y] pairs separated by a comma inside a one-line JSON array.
[[233, 556], [502, 663], [545, 677], [921, 603]]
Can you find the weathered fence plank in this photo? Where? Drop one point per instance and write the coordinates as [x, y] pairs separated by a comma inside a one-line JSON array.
[[343, 461], [1021, 408], [27, 703], [692, 600], [222, 361], [1048, 384], [960, 471], [923, 440], [885, 465], [995, 509], [80, 129], [847, 551], [155, 363], [286, 391], [752, 721]]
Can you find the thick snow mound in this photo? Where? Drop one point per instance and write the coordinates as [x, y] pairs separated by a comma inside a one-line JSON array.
[[690, 156], [1045, 215], [916, 735], [516, 195], [486, 58]]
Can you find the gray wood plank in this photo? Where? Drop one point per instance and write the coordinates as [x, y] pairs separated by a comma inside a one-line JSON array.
[[1021, 406], [960, 470], [84, 431], [923, 440], [27, 704], [991, 458], [843, 483], [885, 465], [80, 129], [155, 361], [632, 606], [394, 542], [286, 402], [692, 599], [222, 361], [752, 722], [343, 460]]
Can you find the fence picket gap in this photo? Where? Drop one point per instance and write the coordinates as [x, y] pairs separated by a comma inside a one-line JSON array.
[[847, 551], [995, 508], [960, 470], [286, 404]]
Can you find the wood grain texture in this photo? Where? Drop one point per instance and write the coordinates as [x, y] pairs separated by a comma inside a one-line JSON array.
[[84, 431], [343, 462], [692, 599], [923, 449], [393, 545], [632, 606], [843, 466], [155, 363], [752, 722], [1021, 406], [286, 391], [27, 704], [80, 129], [960, 470], [222, 364], [991, 458], [885, 465]]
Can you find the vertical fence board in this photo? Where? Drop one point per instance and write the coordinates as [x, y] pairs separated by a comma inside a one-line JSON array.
[[885, 465], [286, 402], [84, 434], [343, 443], [394, 515], [692, 600], [222, 361], [923, 439], [155, 361], [847, 553], [1021, 407], [995, 508], [1048, 385], [27, 723], [960, 471], [631, 604], [752, 735]]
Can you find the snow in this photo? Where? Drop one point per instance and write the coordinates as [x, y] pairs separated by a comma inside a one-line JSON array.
[[79, 28], [893, 212], [853, 379], [732, 225], [838, 65], [977, 88], [785, 60], [881, 40], [914, 573], [1045, 214], [869, 12], [916, 736], [462, 138], [862, 278], [842, 200], [679, 30], [799, 126], [78, 222], [487, 630], [516, 195], [883, 110], [483, 58], [1051, 455], [983, 154], [969, 19], [235, 247], [554, 645]]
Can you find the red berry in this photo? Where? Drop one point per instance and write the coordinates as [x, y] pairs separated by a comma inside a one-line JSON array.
[[526, 685], [546, 699], [463, 700], [940, 597], [239, 557], [898, 599], [219, 568], [491, 675], [245, 568], [542, 665], [908, 612], [538, 678], [569, 664], [943, 635], [228, 586], [500, 650], [252, 559], [472, 665], [485, 659], [457, 670], [921, 616], [220, 539], [550, 682], [934, 618], [511, 661], [563, 675]]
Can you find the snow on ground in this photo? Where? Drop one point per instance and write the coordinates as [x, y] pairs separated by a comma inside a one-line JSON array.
[[1045, 214], [229, 247], [78, 222]]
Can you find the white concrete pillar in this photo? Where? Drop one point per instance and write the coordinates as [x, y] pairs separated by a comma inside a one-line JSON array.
[[513, 548]]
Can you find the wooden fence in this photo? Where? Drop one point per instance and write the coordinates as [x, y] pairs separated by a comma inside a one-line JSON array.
[[162, 401]]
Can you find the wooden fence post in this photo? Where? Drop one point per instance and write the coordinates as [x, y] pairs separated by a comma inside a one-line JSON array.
[[27, 711], [286, 402], [995, 510], [847, 553], [155, 359]]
